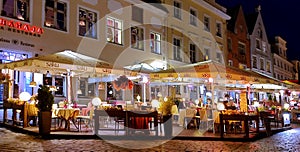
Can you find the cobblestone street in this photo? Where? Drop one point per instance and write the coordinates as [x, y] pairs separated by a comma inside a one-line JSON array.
[[284, 141]]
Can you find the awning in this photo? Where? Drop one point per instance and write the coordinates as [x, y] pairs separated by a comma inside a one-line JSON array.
[[292, 85], [207, 69], [59, 63]]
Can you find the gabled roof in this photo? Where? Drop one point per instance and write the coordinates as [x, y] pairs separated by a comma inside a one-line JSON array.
[[251, 21], [233, 12]]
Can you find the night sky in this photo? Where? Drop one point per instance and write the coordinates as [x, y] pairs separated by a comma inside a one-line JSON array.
[[280, 17]]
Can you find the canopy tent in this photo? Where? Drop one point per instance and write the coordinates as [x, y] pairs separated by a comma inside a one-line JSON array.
[[60, 63], [67, 62], [292, 85], [147, 66], [221, 73]]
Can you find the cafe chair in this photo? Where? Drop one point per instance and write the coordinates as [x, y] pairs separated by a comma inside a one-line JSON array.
[[189, 118], [87, 119]]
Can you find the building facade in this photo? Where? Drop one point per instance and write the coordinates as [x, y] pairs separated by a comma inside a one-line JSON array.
[[237, 39], [261, 56], [120, 32], [283, 69]]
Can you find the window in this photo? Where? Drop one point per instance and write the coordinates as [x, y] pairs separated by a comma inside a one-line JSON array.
[[219, 57], [155, 40], [59, 86], [242, 66], [87, 23], [193, 17], [193, 53], [177, 49], [114, 30], [207, 55], [268, 66], [257, 44], [219, 29], [56, 14], [262, 64], [17, 9], [137, 38], [264, 46], [229, 43], [206, 23], [230, 63], [177, 10], [241, 48], [137, 14], [254, 62]]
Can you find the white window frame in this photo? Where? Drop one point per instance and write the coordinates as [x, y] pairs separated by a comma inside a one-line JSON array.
[[95, 24], [230, 63], [120, 42], [177, 10], [177, 49], [193, 18], [154, 43]]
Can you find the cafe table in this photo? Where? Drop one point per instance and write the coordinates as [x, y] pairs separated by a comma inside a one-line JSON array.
[[67, 114], [239, 117]]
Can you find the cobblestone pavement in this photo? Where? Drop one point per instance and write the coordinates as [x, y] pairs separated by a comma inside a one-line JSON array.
[[284, 141]]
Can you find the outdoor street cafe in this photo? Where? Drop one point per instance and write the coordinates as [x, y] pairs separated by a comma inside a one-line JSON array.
[[201, 100]]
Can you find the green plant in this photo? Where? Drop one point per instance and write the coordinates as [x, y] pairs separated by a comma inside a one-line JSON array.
[[166, 106], [45, 98]]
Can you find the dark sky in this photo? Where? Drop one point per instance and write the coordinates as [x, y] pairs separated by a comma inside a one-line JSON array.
[[280, 17]]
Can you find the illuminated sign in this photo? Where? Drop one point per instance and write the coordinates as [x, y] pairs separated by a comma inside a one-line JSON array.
[[20, 26]]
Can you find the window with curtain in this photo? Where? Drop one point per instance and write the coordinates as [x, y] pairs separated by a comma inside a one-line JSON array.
[[17, 9], [155, 42], [87, 23], [114, 30], [137, 38]]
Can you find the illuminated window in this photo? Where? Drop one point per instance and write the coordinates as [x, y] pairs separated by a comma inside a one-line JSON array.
[[230, 63], [17, 9], [56, 14], [207, 54], [87, 23], [155, 40], [137, 38], [114, 30]]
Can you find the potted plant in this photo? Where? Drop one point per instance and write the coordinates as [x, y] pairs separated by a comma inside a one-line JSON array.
[[166, 107], [45, 101]]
